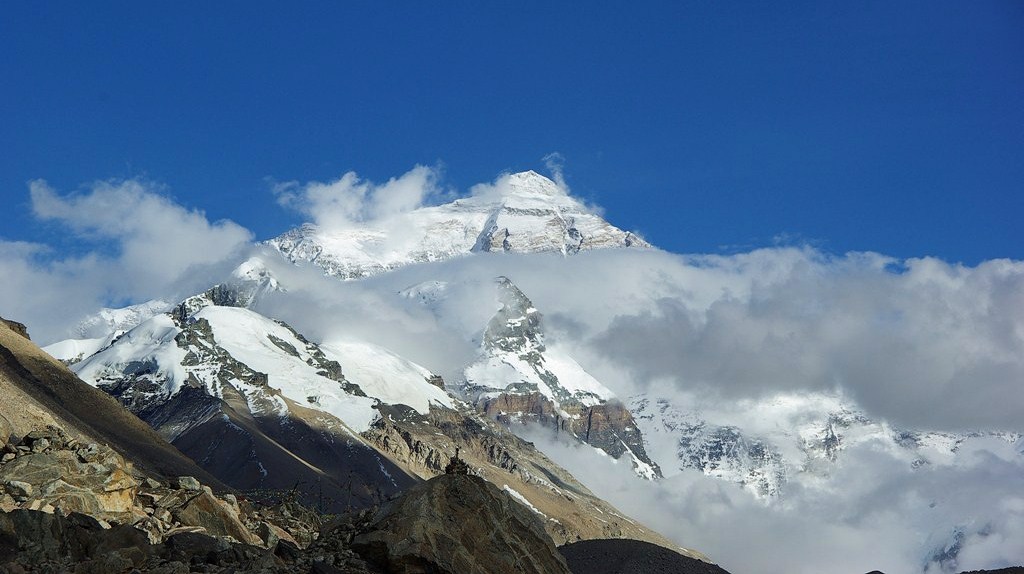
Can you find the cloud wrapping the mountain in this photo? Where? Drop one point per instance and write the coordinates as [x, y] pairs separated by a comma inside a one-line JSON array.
[[920, 343], [138, 244], [350, 201], [923, 343], [875, 513], [930, 344]]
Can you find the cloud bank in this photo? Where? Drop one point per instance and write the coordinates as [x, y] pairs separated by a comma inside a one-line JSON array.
[[878, 514], [921, 343], [138, 244]]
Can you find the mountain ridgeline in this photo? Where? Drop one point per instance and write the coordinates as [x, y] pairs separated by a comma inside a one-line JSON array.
[[247, 403]]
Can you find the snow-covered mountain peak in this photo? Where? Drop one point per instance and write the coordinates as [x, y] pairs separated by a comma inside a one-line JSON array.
[[517, 378], [520, 213], [532, 179], [531, 185]]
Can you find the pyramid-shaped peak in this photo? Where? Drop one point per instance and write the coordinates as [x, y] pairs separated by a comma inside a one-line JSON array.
[[533, 183]]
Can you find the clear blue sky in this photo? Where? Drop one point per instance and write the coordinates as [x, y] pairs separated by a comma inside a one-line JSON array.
[[889, 126]]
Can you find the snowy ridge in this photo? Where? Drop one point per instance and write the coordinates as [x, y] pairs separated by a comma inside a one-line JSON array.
[[523, 213], [518, 380], [71, 351], [764, 445], [106, 321], [248, 282], [388, 377], [264, 360], [148, 352]]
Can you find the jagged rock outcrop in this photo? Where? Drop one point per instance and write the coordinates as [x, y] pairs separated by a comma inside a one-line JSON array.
[[608, 426], [458, 523], [518, 379], [16, 327], [49, 471]]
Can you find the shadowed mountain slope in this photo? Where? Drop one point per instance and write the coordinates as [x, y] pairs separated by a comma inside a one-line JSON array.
[[38, 390], [631, 557]]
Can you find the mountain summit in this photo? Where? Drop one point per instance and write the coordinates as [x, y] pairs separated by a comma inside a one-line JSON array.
[[520, 213]]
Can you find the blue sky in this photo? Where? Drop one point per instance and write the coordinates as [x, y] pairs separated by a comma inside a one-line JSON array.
[[891, 127]]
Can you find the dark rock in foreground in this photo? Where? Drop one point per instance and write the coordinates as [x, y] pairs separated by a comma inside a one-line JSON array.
[[631, 557], [458, 523], [454, 523], [1011, 570]]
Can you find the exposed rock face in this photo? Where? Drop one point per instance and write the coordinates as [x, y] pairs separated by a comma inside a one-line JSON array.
[[216, 516], [18, 328], [631, 557], [608, 426], [63, 480], [458, 523], [518, 379]]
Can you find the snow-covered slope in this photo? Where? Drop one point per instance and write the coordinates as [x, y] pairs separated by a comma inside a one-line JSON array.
[[158, 353], [765, 445], [249, 281], [71, 351], [523, 213], [106, 321], [388, 377]]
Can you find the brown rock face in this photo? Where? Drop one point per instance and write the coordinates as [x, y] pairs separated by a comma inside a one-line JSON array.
[[608, 426], [62, 480], [216, 516], [17, 327], [424, 444], [458, 523]]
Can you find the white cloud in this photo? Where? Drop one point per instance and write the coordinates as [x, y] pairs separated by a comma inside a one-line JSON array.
[[350, 201], [879, 514], [555, 162], [139, 245], [930, 345]]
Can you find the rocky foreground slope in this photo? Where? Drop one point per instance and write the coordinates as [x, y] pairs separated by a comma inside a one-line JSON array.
[[38, 392]]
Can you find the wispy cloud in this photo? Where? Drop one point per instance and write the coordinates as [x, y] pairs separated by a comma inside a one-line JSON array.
[[351, 201], [555, 162]]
